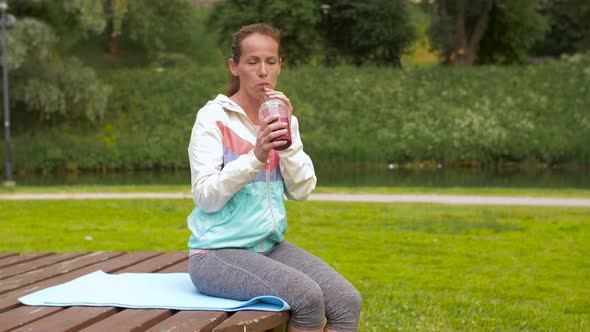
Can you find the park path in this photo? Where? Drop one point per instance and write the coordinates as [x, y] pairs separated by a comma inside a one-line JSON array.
[[334, 197]]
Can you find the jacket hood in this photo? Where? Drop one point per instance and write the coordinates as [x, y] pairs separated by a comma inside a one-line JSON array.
[[227, 103]]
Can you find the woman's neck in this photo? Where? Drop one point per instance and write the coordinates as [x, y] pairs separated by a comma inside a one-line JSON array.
[[248, 104]]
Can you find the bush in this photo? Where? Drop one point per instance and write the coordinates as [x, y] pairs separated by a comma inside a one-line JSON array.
[[151, 113], [485, 114], [347, 114]]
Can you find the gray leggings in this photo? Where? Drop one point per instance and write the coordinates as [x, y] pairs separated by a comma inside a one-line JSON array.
[[311, 287]]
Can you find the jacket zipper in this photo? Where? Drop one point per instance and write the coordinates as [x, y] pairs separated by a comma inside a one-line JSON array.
[[274, 220], [272, 214]]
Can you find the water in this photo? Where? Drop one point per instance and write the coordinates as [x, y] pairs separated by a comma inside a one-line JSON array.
[[468, 178], [349, 177]]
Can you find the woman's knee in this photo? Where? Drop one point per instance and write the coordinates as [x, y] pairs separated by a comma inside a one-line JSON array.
[[349, 301], [353, 299], [308, 309], [312, 297], [343, 310]]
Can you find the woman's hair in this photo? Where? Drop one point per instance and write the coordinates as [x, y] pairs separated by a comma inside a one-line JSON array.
[[236, 47]]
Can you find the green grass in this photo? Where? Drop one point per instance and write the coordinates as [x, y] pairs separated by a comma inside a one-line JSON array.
[[536, 192], [419, 267]]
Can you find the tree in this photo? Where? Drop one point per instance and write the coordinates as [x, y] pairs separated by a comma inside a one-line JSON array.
[[150, 25], [71, 20], [43, 83], [569, 28], [369, 32], [51, 88], [512, 31], [297, 20], [154, 26], [509, 28]]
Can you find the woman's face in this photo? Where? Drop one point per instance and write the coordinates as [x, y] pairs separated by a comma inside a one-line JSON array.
[[259, 65]]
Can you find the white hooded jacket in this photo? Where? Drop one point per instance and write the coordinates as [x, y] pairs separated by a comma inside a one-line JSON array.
[[238, 199]]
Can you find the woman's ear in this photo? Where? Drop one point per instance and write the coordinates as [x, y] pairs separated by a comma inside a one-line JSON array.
[[233, 66]]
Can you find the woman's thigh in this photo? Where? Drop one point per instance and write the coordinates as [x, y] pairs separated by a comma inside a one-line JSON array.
[[241, 275], [311, 265]]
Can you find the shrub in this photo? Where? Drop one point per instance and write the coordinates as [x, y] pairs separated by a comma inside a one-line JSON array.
[[346, 114]]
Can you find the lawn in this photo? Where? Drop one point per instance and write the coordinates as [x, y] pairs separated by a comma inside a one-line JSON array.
[[419, 267]]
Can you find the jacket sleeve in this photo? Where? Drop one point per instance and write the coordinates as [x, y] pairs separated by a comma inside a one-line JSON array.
[[212, 182], [296, 167]]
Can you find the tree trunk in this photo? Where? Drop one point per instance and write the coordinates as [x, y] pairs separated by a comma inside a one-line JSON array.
[[459, 55], [466, 43], [442, 8], [112, 47]]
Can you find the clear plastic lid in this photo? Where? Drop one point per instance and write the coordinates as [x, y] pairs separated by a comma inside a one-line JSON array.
[[271, 106]]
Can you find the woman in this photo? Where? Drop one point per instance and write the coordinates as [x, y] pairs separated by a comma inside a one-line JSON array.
[[237, 249]]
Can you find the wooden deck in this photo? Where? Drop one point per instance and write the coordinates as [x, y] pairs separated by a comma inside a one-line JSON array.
[[21, 274]]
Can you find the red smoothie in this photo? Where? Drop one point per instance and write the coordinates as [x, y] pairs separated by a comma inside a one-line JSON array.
[[286, 136]]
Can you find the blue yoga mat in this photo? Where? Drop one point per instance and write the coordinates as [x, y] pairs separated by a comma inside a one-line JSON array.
[[143, 290]]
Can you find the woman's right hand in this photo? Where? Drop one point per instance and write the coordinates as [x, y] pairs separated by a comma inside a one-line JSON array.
[[266, 134]]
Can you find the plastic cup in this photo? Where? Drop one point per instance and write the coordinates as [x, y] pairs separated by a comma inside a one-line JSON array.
[[277, 106]]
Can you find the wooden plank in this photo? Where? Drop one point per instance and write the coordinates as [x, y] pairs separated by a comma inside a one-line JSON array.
[[150, 265], [191, 321], [35, 276], [130, 320], [156, 264], [23, 315], [253, 321], [180, 267], [16, 259], [28, 318], [7, 254], [10, 300], [37, 264], [72, 319]]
